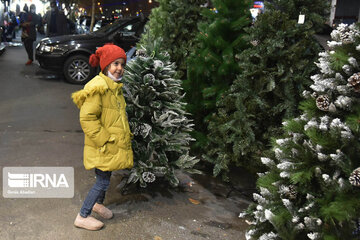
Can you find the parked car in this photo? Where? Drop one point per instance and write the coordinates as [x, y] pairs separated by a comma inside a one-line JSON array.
[[2, 49], [102, 23], [70, 53]]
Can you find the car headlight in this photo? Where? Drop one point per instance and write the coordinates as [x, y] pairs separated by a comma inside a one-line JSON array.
[[50, 49], [45, 48]]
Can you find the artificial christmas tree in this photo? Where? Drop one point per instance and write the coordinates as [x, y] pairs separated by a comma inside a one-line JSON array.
[[157, 117], [311, 190], [273, 74], [212, 67], [175, 21]]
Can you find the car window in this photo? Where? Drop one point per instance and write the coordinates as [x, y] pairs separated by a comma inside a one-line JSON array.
[[111, 27], [130, 29], [88, 22], [83, 23]]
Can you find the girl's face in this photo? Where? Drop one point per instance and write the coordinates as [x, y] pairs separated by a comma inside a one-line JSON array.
[[116, 68]]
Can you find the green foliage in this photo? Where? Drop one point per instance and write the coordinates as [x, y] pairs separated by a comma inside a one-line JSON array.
[[306, 191], [157, 117], [281, 221], [293, 125], [313, 10], [175, 21], [212, 66], [353, 120], [272, 75], [267, 182], [340, 209], [302, 176], [339, 59], [327, 237]]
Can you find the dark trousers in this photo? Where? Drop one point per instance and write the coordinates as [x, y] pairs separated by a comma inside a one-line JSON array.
[[28, 43], [97, 192]]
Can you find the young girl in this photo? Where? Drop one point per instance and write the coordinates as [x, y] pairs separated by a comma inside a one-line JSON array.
[[107, 133]]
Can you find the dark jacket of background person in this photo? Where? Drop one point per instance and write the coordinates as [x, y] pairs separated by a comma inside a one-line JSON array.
[[31, 20], [23, 13], [60, 27]]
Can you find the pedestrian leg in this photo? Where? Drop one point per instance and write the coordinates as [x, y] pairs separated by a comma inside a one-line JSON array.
[[28, 43]]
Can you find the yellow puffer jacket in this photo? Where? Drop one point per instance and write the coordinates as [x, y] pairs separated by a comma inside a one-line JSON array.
[[104, 122]]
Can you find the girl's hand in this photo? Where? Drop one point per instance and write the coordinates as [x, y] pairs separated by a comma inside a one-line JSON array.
[[110, 146]]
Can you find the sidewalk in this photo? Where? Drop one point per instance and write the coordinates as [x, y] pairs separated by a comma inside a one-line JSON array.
[[39, 127], [16, 42], [192, 212]]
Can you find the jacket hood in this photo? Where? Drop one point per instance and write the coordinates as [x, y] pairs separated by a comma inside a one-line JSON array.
[[98, 85], [80, 96]]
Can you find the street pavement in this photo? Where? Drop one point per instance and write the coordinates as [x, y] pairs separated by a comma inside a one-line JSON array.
[[39, 127]]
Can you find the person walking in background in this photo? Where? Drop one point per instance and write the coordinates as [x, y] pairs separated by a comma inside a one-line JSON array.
[[10, 24], [106, 128], [56, 21], [40, 27], [22, 19], [28, 35], [23, 13]]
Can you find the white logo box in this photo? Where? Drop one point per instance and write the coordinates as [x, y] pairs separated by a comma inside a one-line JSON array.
[[38, 182]]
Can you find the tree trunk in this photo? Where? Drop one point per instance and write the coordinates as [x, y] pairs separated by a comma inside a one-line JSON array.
[[92, 16]]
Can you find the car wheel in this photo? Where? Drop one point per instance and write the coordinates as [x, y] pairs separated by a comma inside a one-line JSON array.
[[77, 69]]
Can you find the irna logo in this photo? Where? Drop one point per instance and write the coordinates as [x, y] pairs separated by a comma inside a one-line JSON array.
[[38, 182], [31, 180]]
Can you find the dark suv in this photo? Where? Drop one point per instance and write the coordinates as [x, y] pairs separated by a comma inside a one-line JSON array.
[[70, 53]]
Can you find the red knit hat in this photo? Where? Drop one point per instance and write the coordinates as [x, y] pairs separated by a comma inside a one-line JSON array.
[[106, 55]]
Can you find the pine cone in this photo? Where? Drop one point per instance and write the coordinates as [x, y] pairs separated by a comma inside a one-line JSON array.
[[292, 192], [346, 39], [141, 53], [354, 178], [149, 78], [323, 102], [354, 81], [148, 177]]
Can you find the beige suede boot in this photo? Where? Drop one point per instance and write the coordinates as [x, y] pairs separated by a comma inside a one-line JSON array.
[[89, 223], [103, 211]]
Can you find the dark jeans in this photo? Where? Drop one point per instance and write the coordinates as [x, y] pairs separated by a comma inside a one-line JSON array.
[[28, 43], [97, 192]]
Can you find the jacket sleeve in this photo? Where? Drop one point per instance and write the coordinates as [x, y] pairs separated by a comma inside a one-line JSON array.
[[90, 113]]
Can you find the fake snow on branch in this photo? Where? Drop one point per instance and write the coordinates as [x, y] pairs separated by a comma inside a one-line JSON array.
[[157, 117], [310, 189]]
